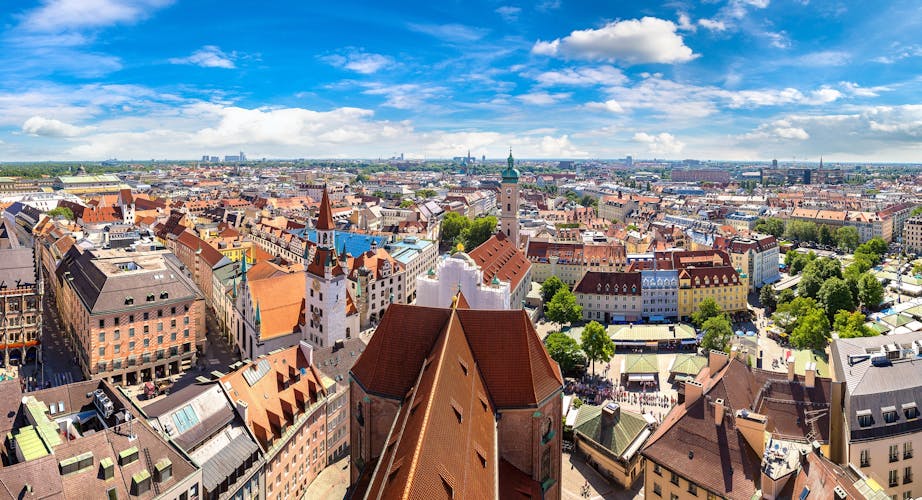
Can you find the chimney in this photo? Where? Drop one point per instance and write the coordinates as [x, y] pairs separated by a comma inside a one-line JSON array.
[[716, 361], [719, 410], [810, 378], [791, 368], [693, 392], [308, 352], [242, 409], [610, 414]]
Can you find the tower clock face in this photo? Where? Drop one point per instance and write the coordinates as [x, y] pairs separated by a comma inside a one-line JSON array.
[[508, 190]]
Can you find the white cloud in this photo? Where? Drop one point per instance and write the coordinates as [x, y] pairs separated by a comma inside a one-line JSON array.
[[759, 4], [450, 32], [405, 95], [899, 53], [777, 130], [685, 23], [712, 24], [542, 98], [778, 39], [663, 143], [49, 127], [359, 61], [854, 89], [634, 41], [509, 13], [548, 5], [824, 58], [209, 56], [610, 105], [585, 76], [62, 15]]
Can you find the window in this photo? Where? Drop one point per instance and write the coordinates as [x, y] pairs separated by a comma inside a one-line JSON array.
[[673, 496], [173, 310], [102, 323], [890, 416], [102, 336], [907, 495], [146, 329], [116, 335], [865, 458], [146, 342], [159, 313], [131, 317], [102, 351], [907, 450], [657, 490], [131, 346], [907, 475], [894, 453], [146, 316], [159, 339], [674, 479], [131, 332], [894, 478], [657, 470], [116, 321], [864, 418], [910, 411], [117, 348], [692, 489]]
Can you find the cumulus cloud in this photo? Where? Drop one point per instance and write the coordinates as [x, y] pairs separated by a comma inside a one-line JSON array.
[[824, 58], [509, 13], [542, 98], [778, 129], [663, 143], [359, 61], [610, 105], [633, 41], [49, 127], [404, 95], [63, 15], [685, 23], [209, 56], [712, 24], [585, 76]]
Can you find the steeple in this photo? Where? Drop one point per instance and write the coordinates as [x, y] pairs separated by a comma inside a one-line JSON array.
[[325, 225], [243, 271], [510, 174], [258, 318]]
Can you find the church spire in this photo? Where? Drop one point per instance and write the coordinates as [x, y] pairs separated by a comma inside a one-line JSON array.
[[325, 217], [243, 271]]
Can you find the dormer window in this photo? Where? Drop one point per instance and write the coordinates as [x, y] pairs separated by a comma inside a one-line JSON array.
[[164, 295], [910, 411], [864, 418], [889, 413]]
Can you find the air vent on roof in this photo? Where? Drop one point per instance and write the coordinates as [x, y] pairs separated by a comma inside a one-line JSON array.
[[840, 493]]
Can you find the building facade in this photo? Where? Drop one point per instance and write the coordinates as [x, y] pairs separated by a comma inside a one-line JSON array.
[[20, 299], [610, 297], [460, 273]]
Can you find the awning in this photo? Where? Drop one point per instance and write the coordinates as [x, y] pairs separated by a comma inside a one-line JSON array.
[[657, 318], [640, 377], [689, 342], [636, 343], [19, 345]]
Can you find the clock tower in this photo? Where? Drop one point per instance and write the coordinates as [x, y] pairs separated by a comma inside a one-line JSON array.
[[509, 201]]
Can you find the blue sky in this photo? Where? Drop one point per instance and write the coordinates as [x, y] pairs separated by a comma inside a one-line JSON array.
[[717, 79]]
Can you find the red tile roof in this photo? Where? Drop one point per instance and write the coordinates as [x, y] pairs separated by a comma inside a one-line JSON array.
[[498, 256], [325, 217], [609, 283]]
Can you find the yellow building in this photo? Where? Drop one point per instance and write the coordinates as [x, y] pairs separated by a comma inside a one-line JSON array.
[[728, 287]]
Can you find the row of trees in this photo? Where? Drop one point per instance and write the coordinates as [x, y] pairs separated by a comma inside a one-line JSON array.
[[845, 237], [594, 345], [458, 229]]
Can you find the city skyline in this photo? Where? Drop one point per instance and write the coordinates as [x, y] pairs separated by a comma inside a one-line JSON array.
[[736, 79]]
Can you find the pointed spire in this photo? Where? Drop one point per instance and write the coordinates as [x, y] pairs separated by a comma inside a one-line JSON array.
[[305, 255], [325, 217], [234, 288], [243, 271], [258, 317]]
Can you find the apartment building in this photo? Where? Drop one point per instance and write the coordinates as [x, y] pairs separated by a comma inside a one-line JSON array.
[[880, 426], [569, 261], [20, 299], [131, 316], [610, 297], [912, 235], [757, 256]]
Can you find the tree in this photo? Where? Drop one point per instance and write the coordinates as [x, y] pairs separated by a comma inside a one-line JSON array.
[[550, 286], [815, 274], [426, 193], [596, 343], [453, 225], [770, 225], [563, 307], [767, 298], [873, 250], [565, 350], [717, 333], [870, 291], [790, 313], [800, 230], [847, 238], [480, 230], [812, 331], [824, 235], [916, 211], [785, 296], [61, 212], [835, 296], [917, 268], [851, 324], [798, 261], [406, 203], [707, 309]]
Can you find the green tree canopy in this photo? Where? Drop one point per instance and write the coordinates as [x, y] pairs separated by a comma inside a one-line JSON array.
[[453, 225], [835, 296], [565, 350], [917, 267], [824, 235], [707, 308], [717, 333], [406, 203], [767, 299], [61, 212], [785, 296], [790, 313], [550, 286], [563, 307], [799, 230], [596, 343], [847, 238], [916, 211], [870, 291], [426, 193], [812, 331], [851, 324], [770, 225], [815, 274], [481, 230]]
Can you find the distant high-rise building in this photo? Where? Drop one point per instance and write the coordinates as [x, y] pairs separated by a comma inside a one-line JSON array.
[[629, 160], [205, 158]]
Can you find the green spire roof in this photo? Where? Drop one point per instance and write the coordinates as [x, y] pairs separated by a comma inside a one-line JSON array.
[[258, 317], [510, 174], [243, 270]]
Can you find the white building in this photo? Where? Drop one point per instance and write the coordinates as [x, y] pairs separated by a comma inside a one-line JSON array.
[[460, 273]]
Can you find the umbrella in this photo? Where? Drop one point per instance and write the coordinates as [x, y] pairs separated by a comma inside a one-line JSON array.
[[739, 333]]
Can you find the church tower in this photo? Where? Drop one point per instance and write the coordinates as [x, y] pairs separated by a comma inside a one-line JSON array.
[[509, 201], [325, 282]]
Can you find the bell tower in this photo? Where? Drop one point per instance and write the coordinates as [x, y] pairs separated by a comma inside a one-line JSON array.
[[509, 201]]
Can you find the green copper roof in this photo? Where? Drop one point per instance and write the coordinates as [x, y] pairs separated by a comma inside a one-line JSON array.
[[510, 174], [626, 429]]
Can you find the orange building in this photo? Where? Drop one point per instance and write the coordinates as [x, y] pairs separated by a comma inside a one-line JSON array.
[[282, 398], [132, 316]]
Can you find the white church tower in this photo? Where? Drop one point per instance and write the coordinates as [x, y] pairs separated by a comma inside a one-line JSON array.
[[509, 201], [325, 297]]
